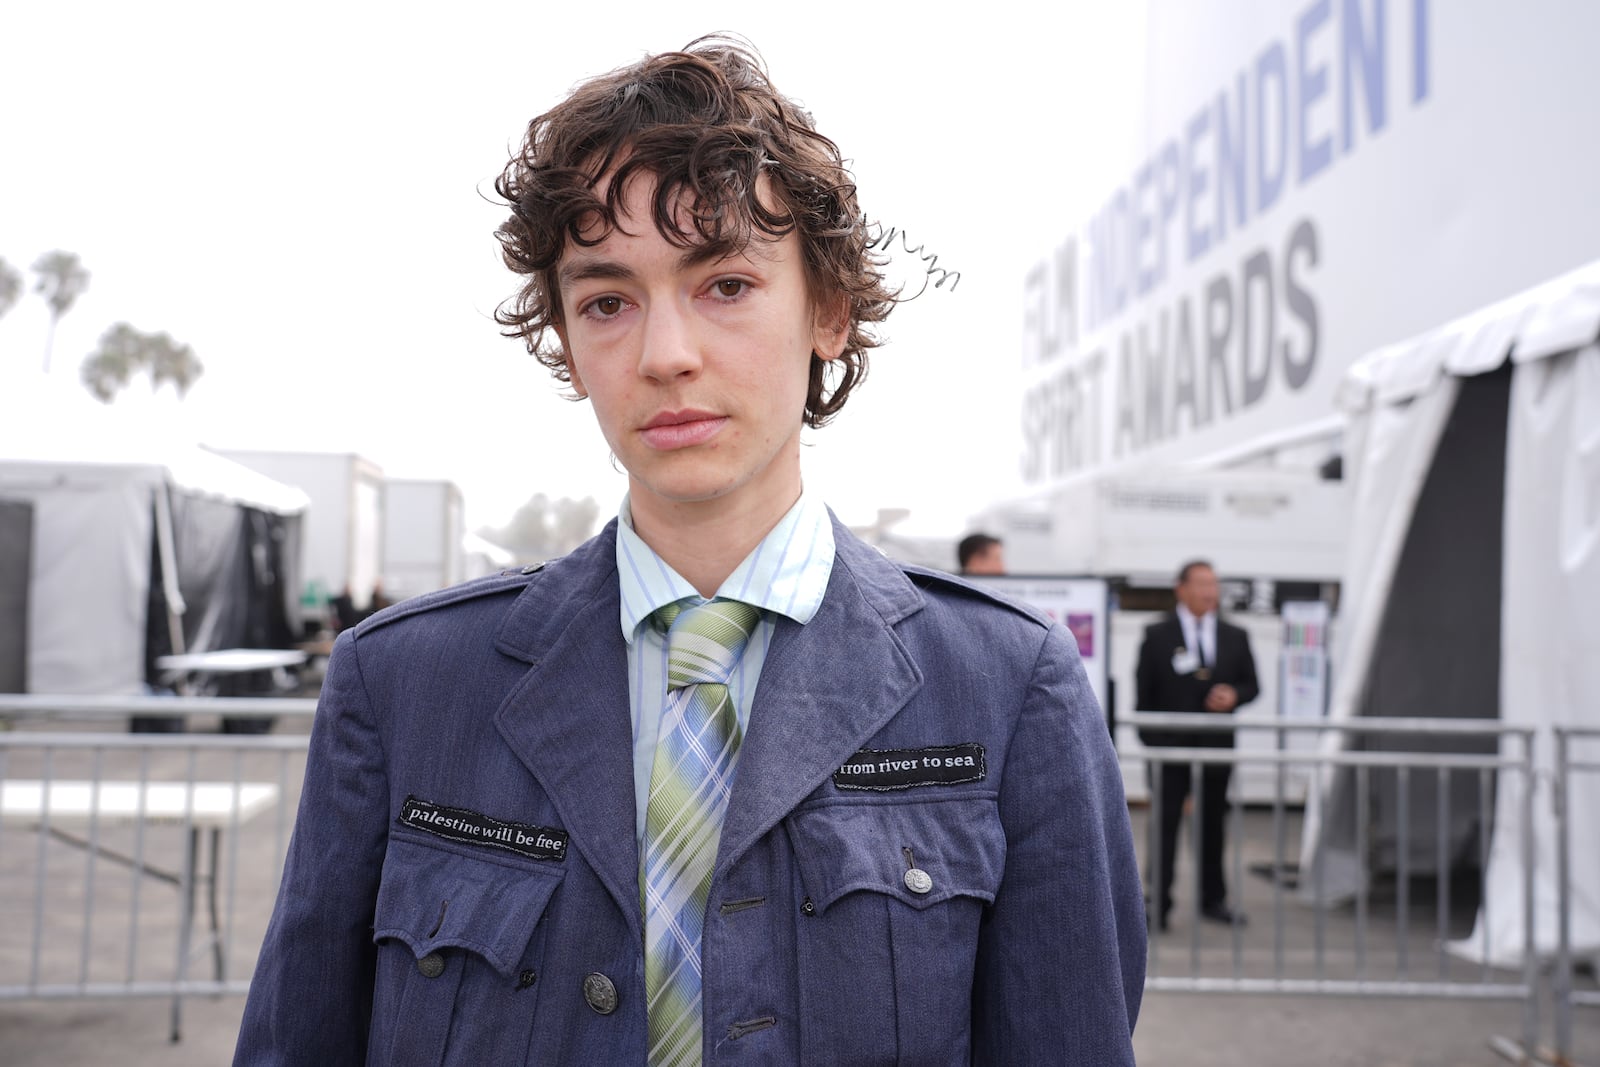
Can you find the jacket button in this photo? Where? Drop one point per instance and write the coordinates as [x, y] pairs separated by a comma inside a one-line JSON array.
[[600, 993], [431, 965], [918, 880]]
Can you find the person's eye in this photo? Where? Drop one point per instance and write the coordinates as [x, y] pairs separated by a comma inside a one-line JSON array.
[[605, 307], [730, 288]]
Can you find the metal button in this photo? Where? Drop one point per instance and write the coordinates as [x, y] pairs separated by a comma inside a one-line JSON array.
[[918, 880], [526, 979], [431, 965], [600, 993]]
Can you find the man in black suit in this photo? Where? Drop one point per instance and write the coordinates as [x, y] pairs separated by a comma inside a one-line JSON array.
[[1193, 661]]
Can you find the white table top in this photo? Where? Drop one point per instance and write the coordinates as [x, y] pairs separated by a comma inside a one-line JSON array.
[[202, 803], [232, 660]]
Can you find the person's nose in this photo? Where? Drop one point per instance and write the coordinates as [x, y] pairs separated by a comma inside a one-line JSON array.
[[671, 348]]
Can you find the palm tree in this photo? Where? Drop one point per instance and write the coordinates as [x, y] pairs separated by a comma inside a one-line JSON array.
[[124, 351], [62, 279], [10, 286]]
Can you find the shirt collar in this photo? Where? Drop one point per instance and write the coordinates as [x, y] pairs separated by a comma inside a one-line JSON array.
[[786, 573], [1189, 618]]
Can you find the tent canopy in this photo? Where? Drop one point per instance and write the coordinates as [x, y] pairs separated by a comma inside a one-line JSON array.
[[1560, 316], [136, 542], [65, 436], [1474, 568]]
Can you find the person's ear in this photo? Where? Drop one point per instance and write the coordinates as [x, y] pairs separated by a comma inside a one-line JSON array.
[[831, 328]]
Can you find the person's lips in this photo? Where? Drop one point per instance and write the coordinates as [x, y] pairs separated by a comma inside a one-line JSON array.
[[681, 429]]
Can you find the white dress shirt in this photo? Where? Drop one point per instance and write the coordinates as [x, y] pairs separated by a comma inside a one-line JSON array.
[[1203, 643], [786, 574]]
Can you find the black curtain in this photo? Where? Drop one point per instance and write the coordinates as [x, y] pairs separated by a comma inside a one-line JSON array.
[[231, 572], [16, 554], [1438, 649]]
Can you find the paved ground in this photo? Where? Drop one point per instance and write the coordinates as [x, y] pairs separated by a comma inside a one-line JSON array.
[[1179, 1029], [1183, 1031]]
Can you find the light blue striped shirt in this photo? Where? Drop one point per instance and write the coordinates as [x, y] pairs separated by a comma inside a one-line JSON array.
[[787, 573]]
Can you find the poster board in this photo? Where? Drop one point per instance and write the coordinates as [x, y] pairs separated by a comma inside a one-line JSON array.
[[1303, 690]]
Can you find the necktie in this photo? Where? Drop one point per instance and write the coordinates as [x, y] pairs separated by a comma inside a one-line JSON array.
[[689, 786]]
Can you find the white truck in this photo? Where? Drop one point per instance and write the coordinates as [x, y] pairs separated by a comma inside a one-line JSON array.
[[424, 527], [343, 542]]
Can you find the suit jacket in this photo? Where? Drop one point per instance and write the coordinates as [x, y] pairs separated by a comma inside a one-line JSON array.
[[462, 884], [1161, 687]]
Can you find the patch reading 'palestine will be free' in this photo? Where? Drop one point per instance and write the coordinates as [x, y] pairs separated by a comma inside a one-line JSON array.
[[903, 768], [475, 828]]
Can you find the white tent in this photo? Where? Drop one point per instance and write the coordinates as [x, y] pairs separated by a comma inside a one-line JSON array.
[[119, 525], [1474, 456]]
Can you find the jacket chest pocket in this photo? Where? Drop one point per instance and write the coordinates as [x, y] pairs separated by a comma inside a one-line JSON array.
[[887, 941], [458, 966]]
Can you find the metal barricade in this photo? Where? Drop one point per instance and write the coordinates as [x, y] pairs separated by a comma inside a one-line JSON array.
[[1567, 764], [1251, 964], [93, 823]]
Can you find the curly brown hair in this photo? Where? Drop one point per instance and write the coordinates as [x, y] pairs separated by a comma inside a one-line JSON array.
[[708, 125]]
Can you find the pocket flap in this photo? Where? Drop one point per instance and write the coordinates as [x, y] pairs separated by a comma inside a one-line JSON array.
[[860, 844], [432, 897]]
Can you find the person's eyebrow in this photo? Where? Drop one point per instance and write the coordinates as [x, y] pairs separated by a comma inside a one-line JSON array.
[[753, 250], [583, 268]]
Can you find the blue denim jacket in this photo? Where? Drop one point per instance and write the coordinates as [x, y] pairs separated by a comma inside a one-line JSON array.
[[462, 885]]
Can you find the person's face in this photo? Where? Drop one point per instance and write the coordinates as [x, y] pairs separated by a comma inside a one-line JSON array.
[[991, 560], [697, 368], [1199, 592]]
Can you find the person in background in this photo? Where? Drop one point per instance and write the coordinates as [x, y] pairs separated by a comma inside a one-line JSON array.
[[724, 783], [1193, 661], [981, 553], [342, 611], [379, 599]]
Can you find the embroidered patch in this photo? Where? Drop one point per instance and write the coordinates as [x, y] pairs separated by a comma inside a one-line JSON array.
[[902, 768], [476, 828]]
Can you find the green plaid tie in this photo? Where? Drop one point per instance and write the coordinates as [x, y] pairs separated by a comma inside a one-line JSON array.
[[689, 786]]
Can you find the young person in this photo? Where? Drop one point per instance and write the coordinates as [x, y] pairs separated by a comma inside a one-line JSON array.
[[724, 784]]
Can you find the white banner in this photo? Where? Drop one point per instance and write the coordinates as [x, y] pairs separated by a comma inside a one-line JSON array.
[[1313, 179]]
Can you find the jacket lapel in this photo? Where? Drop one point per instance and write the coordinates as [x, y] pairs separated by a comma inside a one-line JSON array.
[[1173, 632], [1226, 648], [568, 719], [825, 689]]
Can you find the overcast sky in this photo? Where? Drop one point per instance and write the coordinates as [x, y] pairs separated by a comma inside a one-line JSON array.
[[303, 193]]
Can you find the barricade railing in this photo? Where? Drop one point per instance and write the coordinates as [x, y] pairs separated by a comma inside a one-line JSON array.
[[43, 707], [94, 822], [1249, 964], [1568, 763], [91, 818]]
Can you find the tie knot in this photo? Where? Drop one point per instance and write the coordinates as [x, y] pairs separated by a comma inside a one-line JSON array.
[[705, 641]]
